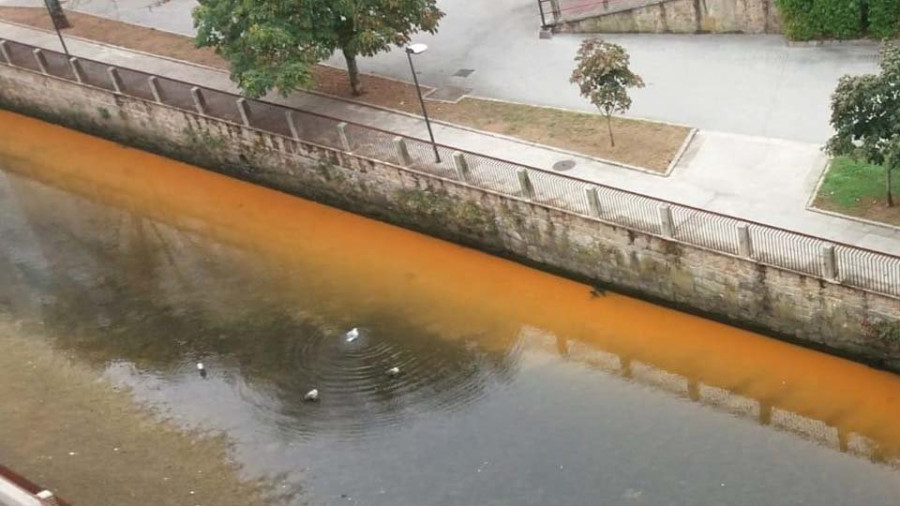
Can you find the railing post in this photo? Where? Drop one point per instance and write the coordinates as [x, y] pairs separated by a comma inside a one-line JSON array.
[[829, 263], [593, 200], [402, 151], [153, 83], [666, 225], [295, 132], [115, 79], [461, 166], [199, 101], [745, 249], [4, 53], [244, 110], [525, 184], [41, 60], [342, 135], [75, 63]]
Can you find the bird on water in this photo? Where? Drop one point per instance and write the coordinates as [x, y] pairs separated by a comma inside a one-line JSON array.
[[393, 372], [352, 335], [202, 369], [312, 395]]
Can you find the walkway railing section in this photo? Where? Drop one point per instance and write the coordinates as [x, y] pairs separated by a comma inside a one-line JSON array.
[[840, 263]]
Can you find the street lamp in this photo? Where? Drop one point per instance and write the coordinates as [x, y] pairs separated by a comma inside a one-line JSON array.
[[419, 49], [58, 18]]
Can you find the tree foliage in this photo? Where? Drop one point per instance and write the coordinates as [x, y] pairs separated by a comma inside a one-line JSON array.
[[821, 19], [273, 44], [865, 113], [603, 77], [884, 18]]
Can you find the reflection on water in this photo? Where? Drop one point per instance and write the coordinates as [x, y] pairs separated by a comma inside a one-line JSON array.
[[516, 387]]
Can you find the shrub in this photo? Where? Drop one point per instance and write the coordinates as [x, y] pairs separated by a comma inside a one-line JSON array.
[[884, 18], [822, 19]]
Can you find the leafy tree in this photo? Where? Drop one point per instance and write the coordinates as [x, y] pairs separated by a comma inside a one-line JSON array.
[[865, 113], [603, 76], [273, 44]]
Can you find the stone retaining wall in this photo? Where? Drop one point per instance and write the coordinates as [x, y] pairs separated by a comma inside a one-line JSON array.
[[811, 311], [675, 16]]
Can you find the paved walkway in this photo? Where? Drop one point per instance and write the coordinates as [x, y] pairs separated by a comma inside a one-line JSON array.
[[746, 84], [764, 180]]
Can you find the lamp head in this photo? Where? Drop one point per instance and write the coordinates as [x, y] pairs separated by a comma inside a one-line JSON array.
[[416, 48]]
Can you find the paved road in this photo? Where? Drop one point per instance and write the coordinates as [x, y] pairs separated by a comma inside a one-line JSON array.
[[746, 84]]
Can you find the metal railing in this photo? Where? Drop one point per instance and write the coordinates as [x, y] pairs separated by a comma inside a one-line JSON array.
[[839, 263]]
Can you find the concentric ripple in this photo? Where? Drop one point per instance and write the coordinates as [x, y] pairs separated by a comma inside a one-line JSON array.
[[358, 396]]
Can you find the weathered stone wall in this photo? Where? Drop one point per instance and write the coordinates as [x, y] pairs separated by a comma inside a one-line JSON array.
[[679, 16], [811, 311]]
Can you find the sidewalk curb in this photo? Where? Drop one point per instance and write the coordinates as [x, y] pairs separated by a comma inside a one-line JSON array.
[[810, 206], [681, 151]]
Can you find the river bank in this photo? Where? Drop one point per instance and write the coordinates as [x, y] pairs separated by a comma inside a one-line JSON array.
[[73, 432]]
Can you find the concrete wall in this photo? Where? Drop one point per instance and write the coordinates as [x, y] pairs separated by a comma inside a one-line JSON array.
[[678, 16], [814, 312]]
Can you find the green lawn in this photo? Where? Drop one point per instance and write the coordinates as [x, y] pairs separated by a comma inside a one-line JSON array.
[[857, 189]]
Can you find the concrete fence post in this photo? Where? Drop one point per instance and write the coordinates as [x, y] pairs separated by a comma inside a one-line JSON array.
[[153, 83], [4, 53], [745, 249], [593, 200], [402, 152], [461, 166], [829, 263], [115, 79], [75, 63], [41, 60], [342, 135], [666, 224], [292, 124], [47, 498], [199, 101], [525, 184], [244, 110]]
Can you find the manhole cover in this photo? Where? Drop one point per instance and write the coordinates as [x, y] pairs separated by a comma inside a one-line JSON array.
[[463, 72], [563, 165]]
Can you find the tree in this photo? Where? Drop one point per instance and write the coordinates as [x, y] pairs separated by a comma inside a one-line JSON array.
[[865, 113], [603, 77], [273, 44]]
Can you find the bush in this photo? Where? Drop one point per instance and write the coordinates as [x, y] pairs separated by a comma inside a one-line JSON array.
[[884, 18], [822, 19]]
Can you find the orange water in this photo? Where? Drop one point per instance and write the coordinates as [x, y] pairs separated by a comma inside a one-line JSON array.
[[452, 288]]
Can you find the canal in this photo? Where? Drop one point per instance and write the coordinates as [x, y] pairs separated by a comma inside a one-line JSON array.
[[515, 386]]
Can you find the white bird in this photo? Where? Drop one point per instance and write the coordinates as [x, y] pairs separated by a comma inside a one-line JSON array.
[[312, 395], [393, 371], [353, 335], [202, 369]]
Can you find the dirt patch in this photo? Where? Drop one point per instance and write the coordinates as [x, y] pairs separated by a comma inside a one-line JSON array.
[[70, 432], [641, 143]]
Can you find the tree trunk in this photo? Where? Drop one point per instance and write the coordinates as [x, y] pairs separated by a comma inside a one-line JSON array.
[[890, 195], [609, 127], [353, 70]]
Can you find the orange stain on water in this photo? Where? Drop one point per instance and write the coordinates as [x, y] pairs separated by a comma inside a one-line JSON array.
[[450, 289]]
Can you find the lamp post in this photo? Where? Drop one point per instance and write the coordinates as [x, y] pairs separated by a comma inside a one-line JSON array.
[[57, 17], [419, 49]]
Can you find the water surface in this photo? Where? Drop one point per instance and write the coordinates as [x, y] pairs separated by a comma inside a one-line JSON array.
[[517, 387]]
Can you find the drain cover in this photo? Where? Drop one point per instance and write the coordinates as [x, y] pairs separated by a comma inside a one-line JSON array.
[[463, 72], [563, 165]]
